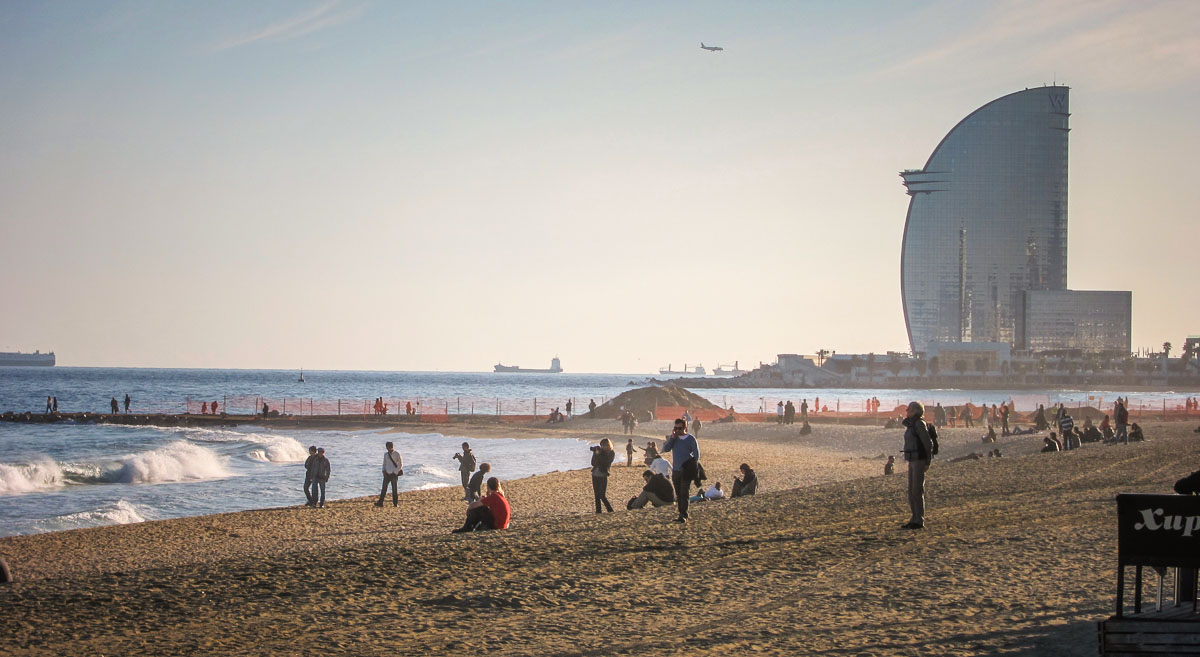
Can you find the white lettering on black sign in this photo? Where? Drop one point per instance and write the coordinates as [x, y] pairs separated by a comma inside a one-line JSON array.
[[1154, 520]]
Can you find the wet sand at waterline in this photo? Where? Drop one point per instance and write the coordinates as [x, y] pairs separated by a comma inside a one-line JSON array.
[[1018, 556]]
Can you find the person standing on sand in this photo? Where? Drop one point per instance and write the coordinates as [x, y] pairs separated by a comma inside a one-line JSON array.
[[592, 408], [602, 458], [309, 464], [320, 477], [696, 426], [629, 453], [466, 465], [1121, 415], [685, 455], [939, 415], [918, 451], [476, 484], [393, 467], [779, 413]]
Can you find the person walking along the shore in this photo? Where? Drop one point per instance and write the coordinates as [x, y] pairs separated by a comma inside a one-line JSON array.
[[309, 464], [918, 451], [320, 477], [466, 465], [602, 458], [685, 455], [393, 467]]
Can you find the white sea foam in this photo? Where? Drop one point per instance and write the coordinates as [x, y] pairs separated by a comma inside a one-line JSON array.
[[178, 461], [434, 471], [39, 475], [119, 513], [276, 448]]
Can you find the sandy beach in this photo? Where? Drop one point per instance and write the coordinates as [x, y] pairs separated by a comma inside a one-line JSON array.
[[1018, 557]]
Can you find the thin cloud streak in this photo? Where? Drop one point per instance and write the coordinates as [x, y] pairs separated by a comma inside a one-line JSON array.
[[308, 22], [1137, 46]]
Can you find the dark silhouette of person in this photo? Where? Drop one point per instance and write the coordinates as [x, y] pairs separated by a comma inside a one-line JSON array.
[[127, 402], [393, 467], [602, 458], [309, 464], [592, 408], [116, 408], [320, 477]]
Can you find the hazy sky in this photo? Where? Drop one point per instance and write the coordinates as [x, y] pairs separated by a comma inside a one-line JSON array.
[[419, 186]]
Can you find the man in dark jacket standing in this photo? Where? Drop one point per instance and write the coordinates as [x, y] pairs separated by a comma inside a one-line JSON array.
[[320, 477], [393, 467], [685, 457], [918, 451], [466, 465], [308, 475]]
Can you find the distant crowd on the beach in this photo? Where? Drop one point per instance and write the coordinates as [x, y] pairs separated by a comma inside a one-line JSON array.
[[665, 482]]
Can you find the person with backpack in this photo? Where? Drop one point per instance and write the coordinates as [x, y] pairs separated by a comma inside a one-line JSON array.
[[920, 446], [466, 465], [309, 464], [320, 477], [393, 467]]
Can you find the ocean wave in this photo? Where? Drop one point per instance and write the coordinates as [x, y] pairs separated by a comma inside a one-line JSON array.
[[433, 471], [39, 475], [120, 512], [178, 461], [276, 448]]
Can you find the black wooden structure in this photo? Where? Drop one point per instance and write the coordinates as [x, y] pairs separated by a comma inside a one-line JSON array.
[[1160, 532]]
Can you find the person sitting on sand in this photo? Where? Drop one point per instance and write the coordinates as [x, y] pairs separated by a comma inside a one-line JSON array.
[[747, 484], [320, 477], [991, 435], [1189, 485], [475, 485], [1050, 444], [1091, 434], [1135, 432], [1106, 429], [713, 492], [889, 468], [489, 512], [805, 429], [658, 491], [651, 452]]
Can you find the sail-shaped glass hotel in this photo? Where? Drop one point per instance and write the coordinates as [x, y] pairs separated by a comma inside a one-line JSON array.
[[987, 222]]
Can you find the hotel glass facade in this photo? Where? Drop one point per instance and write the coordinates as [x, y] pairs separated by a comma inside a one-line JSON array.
[[987, 220], [1090, 321]]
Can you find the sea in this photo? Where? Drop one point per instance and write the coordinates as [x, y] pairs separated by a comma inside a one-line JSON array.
[[68, 476]]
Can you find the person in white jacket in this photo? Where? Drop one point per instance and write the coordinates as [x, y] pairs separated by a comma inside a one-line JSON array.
[[393, 467]]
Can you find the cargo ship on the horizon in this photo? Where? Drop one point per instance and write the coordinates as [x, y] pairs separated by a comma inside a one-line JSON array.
[[555, 368], [18, 359]]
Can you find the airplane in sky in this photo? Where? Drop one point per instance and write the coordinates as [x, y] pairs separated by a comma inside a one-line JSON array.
[[710, 48]]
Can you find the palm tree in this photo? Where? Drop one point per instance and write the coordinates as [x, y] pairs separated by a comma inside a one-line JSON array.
[[1166, 350]]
